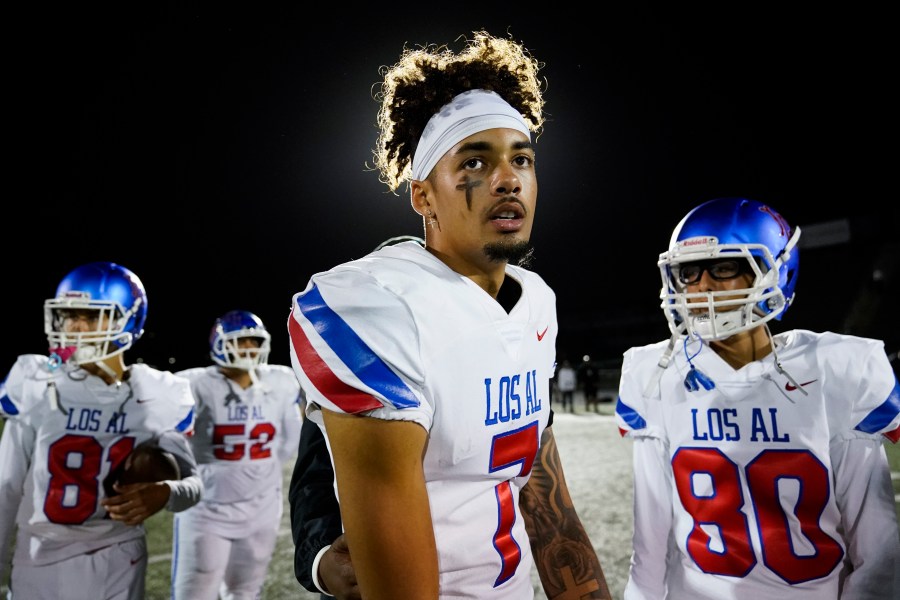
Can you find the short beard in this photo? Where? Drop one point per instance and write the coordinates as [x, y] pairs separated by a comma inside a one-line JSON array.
[[517, 253]]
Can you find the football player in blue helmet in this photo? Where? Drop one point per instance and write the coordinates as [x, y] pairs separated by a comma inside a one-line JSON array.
[[249, 417], [724, 238], [71, 421], [239, 340], [759, 461], [97, 313]]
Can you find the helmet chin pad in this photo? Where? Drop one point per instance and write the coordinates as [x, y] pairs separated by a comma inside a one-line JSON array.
[[720, 327]]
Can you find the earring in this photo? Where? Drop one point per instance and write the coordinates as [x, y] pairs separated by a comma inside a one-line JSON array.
[[431, 220]]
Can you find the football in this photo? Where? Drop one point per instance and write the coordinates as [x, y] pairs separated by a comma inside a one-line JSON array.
[[146, 463]]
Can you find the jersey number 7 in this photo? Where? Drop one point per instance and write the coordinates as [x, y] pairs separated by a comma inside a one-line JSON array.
[[510, 448]]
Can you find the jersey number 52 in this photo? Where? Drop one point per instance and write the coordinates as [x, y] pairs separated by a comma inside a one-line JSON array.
[[260, 437]]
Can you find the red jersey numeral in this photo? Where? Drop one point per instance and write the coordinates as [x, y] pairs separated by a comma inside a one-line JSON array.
[[510, 448], [260, 441], [721, 509], [74, 463]]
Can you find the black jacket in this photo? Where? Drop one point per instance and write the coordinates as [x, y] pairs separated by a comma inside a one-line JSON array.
[[315, 513]]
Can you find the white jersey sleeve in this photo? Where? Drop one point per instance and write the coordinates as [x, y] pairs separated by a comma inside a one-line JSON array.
[[865, 496], [652, 520], [652, 510], [863, 488], [16, 448], [356, 346], [186, 491]]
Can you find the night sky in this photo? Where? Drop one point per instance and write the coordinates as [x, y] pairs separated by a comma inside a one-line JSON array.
[[222, 155]]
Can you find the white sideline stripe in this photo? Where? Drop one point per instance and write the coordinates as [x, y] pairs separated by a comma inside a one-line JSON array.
[[167, 557]]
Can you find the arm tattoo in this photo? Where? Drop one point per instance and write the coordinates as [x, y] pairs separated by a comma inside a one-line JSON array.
[[563, 553]]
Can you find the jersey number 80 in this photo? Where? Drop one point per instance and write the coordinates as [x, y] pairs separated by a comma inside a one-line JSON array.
[[722, 509]]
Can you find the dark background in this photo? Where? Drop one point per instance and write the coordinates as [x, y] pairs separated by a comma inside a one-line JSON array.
[[221, 153]]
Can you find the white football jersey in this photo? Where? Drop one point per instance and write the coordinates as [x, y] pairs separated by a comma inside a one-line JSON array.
[[398, 335], [243, 436], [64, 433], [755, 489]]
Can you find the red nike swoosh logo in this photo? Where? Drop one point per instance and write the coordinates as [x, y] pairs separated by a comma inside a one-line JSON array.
[[791, 388], [543, 333]]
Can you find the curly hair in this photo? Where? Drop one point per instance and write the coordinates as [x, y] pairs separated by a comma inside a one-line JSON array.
[[428, 77]]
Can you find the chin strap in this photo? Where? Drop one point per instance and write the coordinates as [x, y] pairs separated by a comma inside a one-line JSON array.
[[253, 377], [53, 396], [106, 369], [778, 366], [54, 362], [661, 366], [695, 379]]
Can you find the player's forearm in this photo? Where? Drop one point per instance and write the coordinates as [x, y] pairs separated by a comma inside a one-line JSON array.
[[564, 556], [569, 565], [393, 563], [185, 493], [378, 466]]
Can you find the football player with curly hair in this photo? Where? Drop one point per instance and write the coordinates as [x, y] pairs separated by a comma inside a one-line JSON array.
[[428, 367]]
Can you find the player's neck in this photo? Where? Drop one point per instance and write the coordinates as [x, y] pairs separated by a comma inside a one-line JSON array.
[[743, 348], [239, 376], [487, 274], [112, 370]]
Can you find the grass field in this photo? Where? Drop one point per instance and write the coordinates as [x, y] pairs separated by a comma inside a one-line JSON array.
[[598, 471]]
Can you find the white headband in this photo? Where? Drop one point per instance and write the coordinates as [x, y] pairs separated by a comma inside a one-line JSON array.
[[468, 113]]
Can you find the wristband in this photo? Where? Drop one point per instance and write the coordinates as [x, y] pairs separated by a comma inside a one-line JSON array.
[[315, 570]]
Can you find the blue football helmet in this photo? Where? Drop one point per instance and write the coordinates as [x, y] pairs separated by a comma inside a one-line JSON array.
[[228, 330], [110, 299], [730, 228]]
